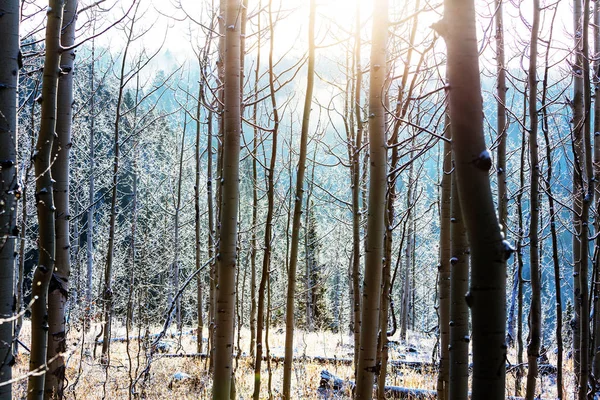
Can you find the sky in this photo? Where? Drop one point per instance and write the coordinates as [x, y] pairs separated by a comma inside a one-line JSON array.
[[167, 23]]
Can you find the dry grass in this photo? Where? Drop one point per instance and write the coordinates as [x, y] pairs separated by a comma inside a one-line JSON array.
[[94, 383]]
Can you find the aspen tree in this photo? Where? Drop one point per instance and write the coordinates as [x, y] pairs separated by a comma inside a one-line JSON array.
[[9, 189], [255, 144], [59, 283], [107, 286], [596, 277], [227, 251], [44, 189], [367, 359], [263, 290], [519, 256], [578, 179], [553, 230], [444, 284], [587, 193], [489, 252], [354, 156], [291, 289], [459, 311], [403, 102], [501, 115], [535, 311], [91, 193]]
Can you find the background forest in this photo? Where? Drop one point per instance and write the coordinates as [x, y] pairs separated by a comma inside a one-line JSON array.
[[231, 198]]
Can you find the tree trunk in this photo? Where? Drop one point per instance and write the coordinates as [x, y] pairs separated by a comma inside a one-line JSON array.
[[197, 227], [220, 101], [489, 252], [444, 282], [45, 203], [553, 232], [519, 260], [459, 310], [501, 117], [408, 252], [262, 291], [91, 196], [211, 223], [254, 227], [535, 310], [577, 135], [291, 290], [587, 191], [596, 83], [9, 189], [58, 291], [107, 294], [367, 367], [403, 101], [176, 233], [354, 157], [226, 263]]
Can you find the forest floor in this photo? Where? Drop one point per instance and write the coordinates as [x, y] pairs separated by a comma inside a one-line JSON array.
[[186, 377]]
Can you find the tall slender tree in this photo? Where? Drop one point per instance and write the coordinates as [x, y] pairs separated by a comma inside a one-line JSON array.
[[403, 102], [580, 205], [535, 311], [587, 192], [9, 188], [489, 252], [227, 250], [596, 296], [444, 283], [355, 177], [291, 290], [367, 359], [91, 190], [459, 311], [107, 291], [44, 189], [264, 287], [58, 291]]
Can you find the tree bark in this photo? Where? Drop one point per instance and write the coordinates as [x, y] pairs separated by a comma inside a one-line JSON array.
[[197, 228], [45, 203], [9, 188], [107, 294], [367, 368], [535, 310], [578, 179], [291, 290], [403, 101], [408, 252], [501, 117], [270, 172], [489, 252], [226, 262], [354, 156], [254, 227], [553, 231], [459, 310], [58, 291], [519, 255], [91, 197], [588, 194], [445, 270], [596, 83]]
